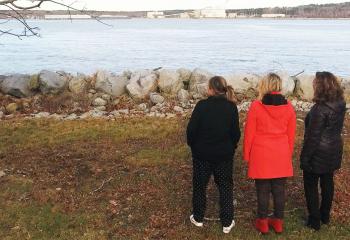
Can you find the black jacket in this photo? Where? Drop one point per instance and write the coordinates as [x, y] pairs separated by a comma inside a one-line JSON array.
[[213, 131], [323, 145]]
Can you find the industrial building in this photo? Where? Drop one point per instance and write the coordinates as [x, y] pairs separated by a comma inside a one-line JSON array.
[[211, 13]]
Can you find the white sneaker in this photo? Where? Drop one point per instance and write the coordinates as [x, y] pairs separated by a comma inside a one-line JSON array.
[[194, 222], [229, 228]]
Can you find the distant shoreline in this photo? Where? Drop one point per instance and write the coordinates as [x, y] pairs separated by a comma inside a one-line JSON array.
[[162, 19]]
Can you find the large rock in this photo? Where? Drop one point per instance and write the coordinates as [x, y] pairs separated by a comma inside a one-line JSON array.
[[12, 108], [183, 96], [156, 98], [170, 81], [142, 83], [16, 85], [243, 82], [305, 87], [111, 84], [78, 84], [51, 82], [185, 76], [199, 81], [99, 102], [346, 85], [288, 83]]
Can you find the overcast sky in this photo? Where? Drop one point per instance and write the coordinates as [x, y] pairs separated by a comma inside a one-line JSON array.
[[118, 5]]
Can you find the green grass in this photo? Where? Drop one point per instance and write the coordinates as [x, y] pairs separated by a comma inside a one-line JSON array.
[[128, 179]]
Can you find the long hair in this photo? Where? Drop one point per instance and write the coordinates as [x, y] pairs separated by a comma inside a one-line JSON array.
[[270, 83], [327, 88], [219, 85]]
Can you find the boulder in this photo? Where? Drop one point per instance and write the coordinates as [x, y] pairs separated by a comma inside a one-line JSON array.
[[185, 74], [16, 85], [78, 84], [142, 83], [142, 107], [12, 108], [101, 108], [34, 83], [156, 98], [243, 82], [99, 102], [305, 87], [199, 82], [111, 84], [346, 85], [93, 114], [51, 82], [170, 81], [288, 83], [106, 97], [183, 96]]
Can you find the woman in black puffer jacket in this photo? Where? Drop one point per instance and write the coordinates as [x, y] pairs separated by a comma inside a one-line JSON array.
[[323, 146]]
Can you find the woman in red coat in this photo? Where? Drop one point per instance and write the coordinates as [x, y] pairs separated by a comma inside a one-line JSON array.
[[268, 149]]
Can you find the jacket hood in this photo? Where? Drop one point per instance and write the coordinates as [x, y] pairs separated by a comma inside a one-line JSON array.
[[276, 112]]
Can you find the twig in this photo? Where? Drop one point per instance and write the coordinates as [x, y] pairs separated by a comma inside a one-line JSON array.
[[15, 9], [298, 73], [102, 185]]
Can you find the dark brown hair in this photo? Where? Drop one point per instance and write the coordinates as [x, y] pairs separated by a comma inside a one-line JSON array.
[[327, 88], [219, 85]]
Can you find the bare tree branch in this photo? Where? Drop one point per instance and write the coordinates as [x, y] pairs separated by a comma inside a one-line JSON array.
[[15, 10]]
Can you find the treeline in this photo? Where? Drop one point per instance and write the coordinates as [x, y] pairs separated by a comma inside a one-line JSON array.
[[336, 10]]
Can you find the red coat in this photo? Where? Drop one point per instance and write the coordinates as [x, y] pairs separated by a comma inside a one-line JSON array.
[[269, 140]]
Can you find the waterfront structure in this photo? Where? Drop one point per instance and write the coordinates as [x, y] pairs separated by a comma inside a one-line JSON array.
[[185, 15], [155, 14], [273, 15], [212, 13]]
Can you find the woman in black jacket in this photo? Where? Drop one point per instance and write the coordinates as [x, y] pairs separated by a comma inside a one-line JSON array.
[[323, 146], [213, 134]]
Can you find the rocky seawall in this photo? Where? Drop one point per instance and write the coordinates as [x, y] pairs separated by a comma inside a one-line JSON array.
[[159, 92]]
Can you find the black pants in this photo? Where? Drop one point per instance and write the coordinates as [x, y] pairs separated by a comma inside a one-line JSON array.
[[317, 213], [264, 187], [222, 171]]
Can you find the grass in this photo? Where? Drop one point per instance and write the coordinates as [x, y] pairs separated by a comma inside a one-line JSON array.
[[129, 179]]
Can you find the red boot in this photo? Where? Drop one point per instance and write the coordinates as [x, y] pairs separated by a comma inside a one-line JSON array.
[[262, 225], [276, 224]]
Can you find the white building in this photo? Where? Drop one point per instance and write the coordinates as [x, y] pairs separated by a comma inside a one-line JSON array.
[[273, 15], [185, 15], [155, 14], [213, 13], [58, 17]]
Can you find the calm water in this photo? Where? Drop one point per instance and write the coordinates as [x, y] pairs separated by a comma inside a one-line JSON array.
[[220, 46]]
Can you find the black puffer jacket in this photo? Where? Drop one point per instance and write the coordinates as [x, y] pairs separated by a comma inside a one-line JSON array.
[[213, 130], [323, 145]]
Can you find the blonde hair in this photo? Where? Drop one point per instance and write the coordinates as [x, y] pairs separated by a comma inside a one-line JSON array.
[[270, 83], [219, 85]]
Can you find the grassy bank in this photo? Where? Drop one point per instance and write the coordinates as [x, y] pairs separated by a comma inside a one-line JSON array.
[[128, 179]]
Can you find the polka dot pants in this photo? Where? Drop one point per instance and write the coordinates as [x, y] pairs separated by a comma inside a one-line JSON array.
[[222, 171]]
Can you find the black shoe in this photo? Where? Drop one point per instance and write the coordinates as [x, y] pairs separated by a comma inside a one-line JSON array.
[[325, 221], [313, 225]]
